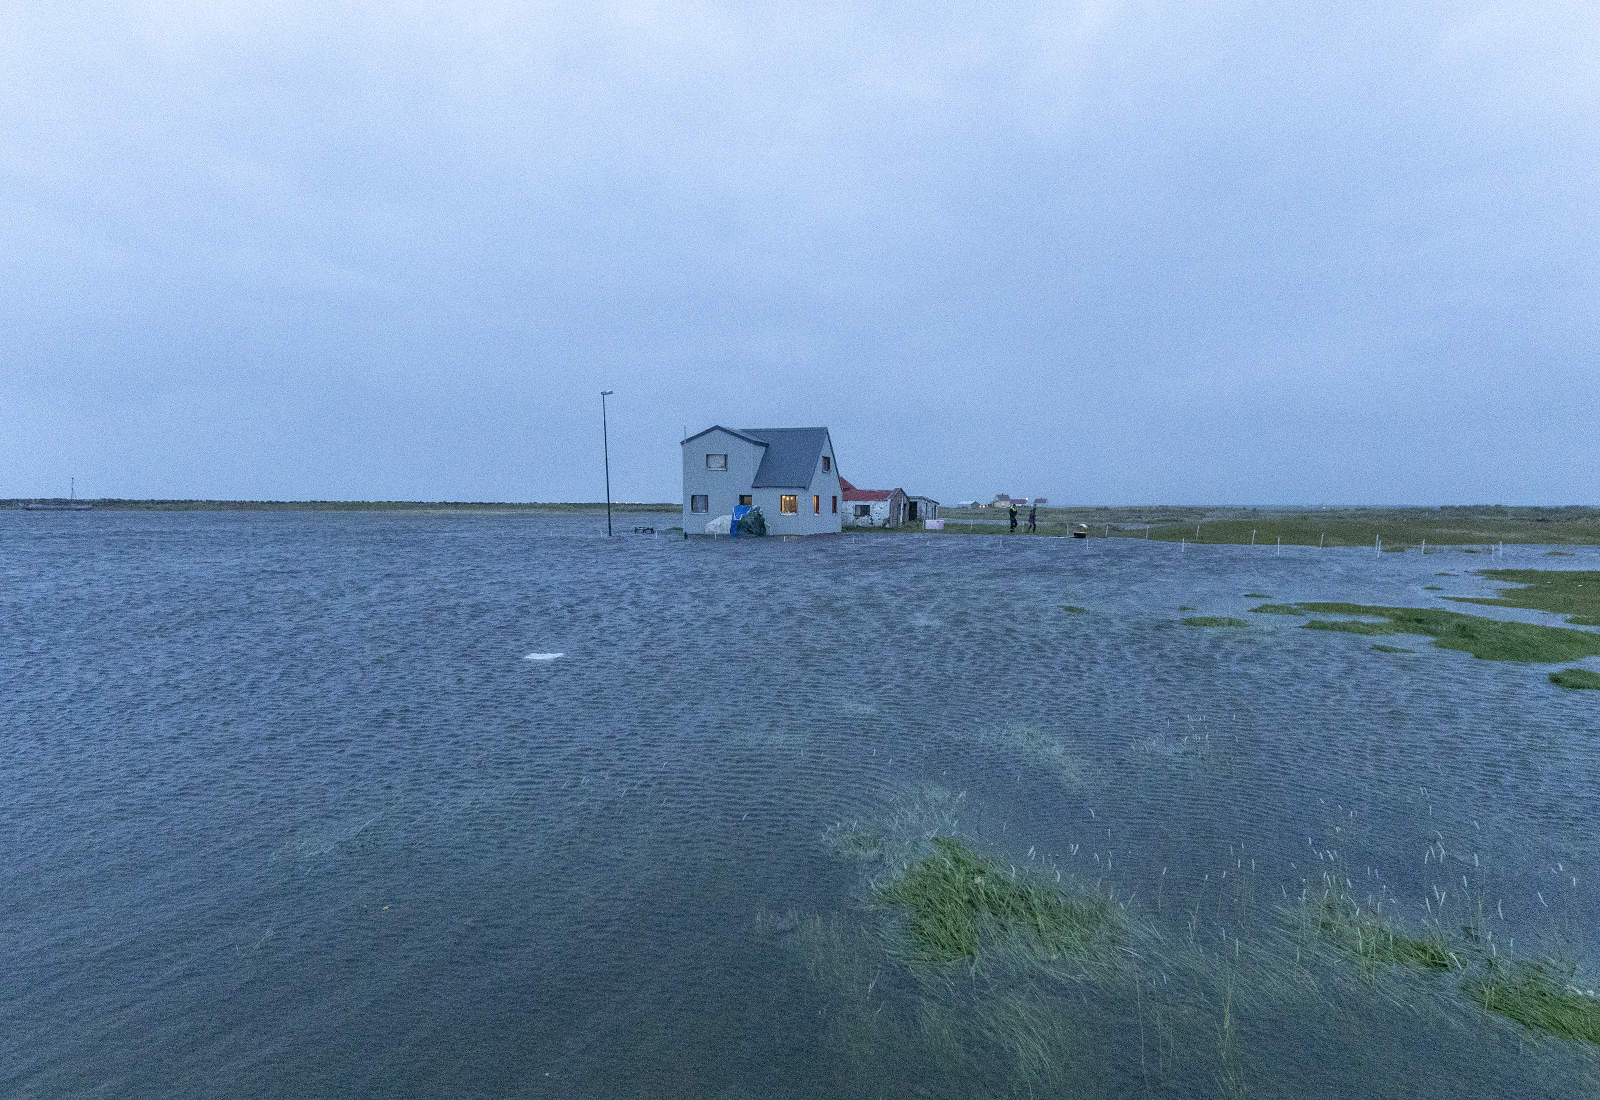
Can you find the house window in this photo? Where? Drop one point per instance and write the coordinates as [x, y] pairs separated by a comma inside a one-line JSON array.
[[835, 505], [699, 502], [863, 511], [789, 504], [827, 463], [816, 505], [716, 462], [746, 500]]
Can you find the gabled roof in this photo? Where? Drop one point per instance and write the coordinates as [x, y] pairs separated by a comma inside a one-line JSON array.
[[791, 455], [730, 431], [852, 493]]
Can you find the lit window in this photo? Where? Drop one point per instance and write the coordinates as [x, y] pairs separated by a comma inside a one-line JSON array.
[[835, 505], [699, 502], [789, 504], [816, 506], [863, 511], [827, 463], [716, 462]]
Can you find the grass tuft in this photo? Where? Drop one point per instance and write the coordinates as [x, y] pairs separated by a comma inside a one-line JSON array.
[[1213, 620], [1576, 678], [1392, 649], [1540, 996], [1487, 639], [1073, 609], [1573, 593], [956, 895], [1375, 940], [1352, 626], [1257, 596]]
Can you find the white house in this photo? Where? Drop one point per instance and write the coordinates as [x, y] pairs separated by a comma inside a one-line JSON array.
[[789, 473]]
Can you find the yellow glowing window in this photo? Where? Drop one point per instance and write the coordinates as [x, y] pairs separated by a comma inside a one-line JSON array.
[[816, 506], [789, 504]]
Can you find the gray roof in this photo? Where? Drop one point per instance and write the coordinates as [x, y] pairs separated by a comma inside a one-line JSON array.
[[790, 458]]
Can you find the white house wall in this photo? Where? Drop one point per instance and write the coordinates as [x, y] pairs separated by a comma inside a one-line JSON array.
[[722, 487], [824, 484]]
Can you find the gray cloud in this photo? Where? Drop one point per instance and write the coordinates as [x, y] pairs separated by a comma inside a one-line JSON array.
[[1183, 252]]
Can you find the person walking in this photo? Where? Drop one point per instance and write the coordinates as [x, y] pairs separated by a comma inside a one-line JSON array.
[[1013, 519], [1033, 519]]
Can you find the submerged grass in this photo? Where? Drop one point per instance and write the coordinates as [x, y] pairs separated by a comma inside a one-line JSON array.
[[1213, 620], [1392, 649], [956, 895], [1573, 593], [1576, 678], [1375, 940], [1487, 639], [1073, 609], [1540, 996]]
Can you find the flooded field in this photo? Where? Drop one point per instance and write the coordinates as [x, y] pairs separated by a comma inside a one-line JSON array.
[[491, 806]]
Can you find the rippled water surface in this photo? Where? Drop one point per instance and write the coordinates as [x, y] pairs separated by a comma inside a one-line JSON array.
[[288, 810]]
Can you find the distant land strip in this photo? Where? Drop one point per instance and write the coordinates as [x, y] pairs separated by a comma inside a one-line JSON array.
[[1394, 529]]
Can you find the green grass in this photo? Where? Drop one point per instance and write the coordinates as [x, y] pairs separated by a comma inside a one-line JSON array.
[[1074, 610], [1392, 649], [1486, 639], [1539, 996], [1375, 940], [1257, 596], [1576, 678], [1575, 594], [1431, 588], [1184, 607], [957, 896], [1214, 620], [1445, 530]]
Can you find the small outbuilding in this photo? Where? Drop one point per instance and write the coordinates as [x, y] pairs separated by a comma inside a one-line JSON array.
[[874, 507]]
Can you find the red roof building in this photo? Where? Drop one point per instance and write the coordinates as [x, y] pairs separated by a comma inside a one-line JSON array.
[[873, 507]]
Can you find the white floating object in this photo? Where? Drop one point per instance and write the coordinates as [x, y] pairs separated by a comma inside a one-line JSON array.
[[543, 656]]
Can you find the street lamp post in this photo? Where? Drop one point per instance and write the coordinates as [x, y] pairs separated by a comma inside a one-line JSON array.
[[605, 445]]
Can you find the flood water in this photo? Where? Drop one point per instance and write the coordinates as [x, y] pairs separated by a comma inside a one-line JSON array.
[[290, 811]]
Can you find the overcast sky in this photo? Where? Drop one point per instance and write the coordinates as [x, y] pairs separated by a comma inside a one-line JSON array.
[[1184, 252]]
